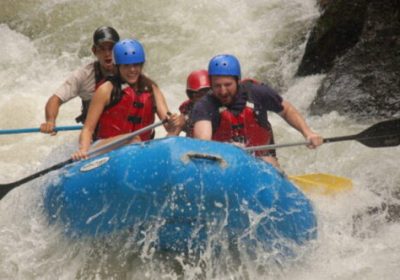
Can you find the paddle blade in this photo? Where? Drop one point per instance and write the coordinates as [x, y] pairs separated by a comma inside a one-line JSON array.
[[326, 184], [383, 134], [4, 189]]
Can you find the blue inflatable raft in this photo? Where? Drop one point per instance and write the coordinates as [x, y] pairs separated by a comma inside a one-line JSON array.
[[183, 192]]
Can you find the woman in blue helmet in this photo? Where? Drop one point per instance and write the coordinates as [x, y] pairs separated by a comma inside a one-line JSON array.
[[125, 103], [237, 112]]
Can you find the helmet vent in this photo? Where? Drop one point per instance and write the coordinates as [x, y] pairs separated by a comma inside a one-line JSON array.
[[128, 52], [224, 65]]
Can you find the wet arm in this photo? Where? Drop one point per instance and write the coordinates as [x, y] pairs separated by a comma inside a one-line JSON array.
[[51, 113], [162, 107], [202, 130], [296, 120], [175, 122], [99, 101]]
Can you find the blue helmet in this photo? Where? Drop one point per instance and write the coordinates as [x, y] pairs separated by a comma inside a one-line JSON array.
[[128, 51], [224, 65]]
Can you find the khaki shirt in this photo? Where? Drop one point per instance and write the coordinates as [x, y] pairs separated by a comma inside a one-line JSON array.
[[80, 83]]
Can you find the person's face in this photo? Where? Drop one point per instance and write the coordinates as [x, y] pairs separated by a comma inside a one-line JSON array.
[[197, 95], [103, 52], [224, 88], [130, 72]]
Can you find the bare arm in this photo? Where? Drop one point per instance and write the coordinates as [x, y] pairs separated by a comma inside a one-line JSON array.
[[295, 119], [162, 107], [51, 113], [202, 130], [174, 121], [71, 88], [99, 101]]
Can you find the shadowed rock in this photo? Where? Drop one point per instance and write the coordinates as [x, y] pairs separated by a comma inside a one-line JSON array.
[[359, 49]]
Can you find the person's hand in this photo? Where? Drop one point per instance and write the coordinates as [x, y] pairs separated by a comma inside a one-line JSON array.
[[239, 144], [174, 124], [135, 139], [314, 140], [175, 120], [48, 127], [180, 121], [272, 160], [82, 153]]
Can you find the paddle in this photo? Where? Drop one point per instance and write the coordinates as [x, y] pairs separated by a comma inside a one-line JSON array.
[[382, 134], [5, 188], [29, 130], [322, 183]]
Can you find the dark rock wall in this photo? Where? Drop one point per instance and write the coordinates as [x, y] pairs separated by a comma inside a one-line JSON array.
[[358, 45], [337, 30]]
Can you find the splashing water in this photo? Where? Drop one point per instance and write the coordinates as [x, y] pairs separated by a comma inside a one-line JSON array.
[[44, 40]]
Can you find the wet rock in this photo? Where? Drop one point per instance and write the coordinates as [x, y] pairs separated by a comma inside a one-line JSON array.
[[364, 82], [337, 30]]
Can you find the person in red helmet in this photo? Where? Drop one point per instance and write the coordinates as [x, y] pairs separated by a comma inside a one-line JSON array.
[[197, 85], [85, 80]]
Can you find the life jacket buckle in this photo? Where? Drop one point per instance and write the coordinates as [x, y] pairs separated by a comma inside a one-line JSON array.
[[135, 119]]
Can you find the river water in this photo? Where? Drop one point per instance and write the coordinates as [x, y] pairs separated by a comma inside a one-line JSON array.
[[42, 41]]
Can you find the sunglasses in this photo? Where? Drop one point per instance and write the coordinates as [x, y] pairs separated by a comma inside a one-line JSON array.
[[192, 93]]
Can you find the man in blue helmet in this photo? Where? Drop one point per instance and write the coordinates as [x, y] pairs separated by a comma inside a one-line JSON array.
[[84, 81], [237, 112]]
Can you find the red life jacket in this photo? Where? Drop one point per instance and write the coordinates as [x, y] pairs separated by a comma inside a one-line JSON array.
[[134, 111], [243, 128], [185, 107]]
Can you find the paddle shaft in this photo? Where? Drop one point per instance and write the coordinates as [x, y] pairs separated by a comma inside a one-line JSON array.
[[301, 143], [5, 188], [30, 130], [383, 134]]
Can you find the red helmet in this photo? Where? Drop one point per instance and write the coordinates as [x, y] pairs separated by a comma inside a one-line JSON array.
[[198, 80], [250, 81]]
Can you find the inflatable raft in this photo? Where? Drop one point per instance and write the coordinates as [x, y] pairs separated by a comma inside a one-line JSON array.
[[183, 192]]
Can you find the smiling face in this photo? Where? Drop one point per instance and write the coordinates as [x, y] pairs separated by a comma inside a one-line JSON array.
[[103, 52], [224, 88], [130, 72]]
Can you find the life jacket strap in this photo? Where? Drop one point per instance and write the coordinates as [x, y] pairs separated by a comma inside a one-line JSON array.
[[135, 119]]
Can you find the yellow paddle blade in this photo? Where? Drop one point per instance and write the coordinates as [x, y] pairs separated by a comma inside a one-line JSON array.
[[322, 183]]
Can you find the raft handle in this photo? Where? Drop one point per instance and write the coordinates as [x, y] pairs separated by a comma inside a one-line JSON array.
[[191, 155]]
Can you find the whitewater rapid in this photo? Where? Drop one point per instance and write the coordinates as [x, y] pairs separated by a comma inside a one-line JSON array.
[[43, 41]]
